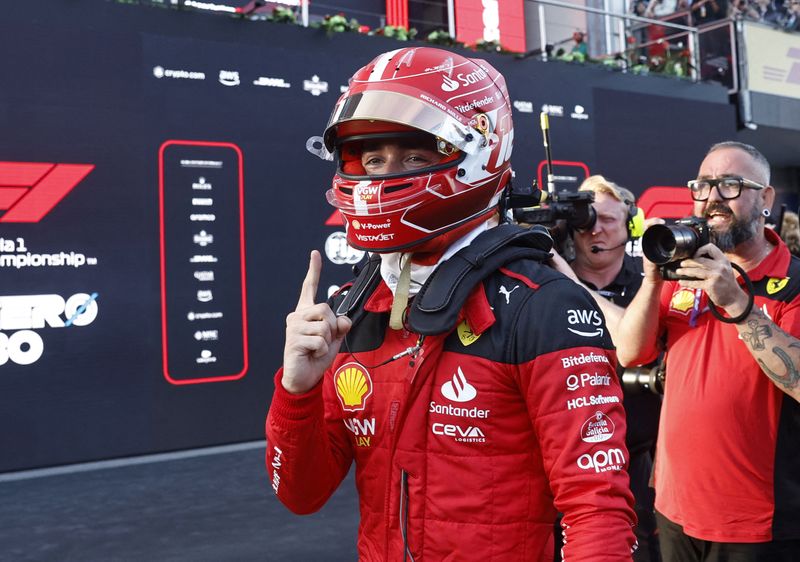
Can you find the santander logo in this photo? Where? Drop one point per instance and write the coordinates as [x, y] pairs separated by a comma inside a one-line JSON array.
[[458, 389], [448, 84]]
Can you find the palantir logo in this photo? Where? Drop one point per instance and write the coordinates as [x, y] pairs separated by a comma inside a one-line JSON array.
[[30, 190], [458, 389]]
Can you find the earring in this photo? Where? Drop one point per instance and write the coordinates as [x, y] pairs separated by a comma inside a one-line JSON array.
[[766, 212]]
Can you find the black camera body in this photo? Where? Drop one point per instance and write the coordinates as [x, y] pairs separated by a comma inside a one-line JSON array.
[[561, 212], [667, 245], [574, 208]]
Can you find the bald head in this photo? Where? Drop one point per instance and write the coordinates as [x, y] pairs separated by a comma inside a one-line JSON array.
[[759, 163]]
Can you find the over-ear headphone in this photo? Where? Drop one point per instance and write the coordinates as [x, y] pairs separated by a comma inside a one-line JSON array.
[[634, 224], [635, 221]]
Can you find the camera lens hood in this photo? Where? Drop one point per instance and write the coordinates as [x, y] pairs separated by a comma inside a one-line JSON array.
[[664, 244]]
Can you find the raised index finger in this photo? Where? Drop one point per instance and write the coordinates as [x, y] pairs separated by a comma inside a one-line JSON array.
[[310, 284]]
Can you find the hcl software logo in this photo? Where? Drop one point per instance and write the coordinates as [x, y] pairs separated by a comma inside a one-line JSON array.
[[30, 190]]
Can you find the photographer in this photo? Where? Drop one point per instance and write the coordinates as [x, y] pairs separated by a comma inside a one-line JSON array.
[[727, 471], [613, 277]]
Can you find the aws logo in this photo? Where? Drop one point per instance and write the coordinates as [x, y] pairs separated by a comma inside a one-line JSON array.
[[588, 320], [353, 386], [30, 190]]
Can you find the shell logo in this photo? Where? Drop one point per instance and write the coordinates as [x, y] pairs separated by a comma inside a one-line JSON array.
[[682, 301], [353, 386]]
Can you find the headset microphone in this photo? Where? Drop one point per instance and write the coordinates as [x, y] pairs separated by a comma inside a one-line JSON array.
[[598, 249]]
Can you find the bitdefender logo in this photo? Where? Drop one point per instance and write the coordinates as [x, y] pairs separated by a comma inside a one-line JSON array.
[[30, 190]]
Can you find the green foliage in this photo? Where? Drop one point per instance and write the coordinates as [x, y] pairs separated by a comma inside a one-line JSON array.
[[398, 33], [489, 46], [282, 14], [675, 62], [443, 38], [338, 24], [574, 56]]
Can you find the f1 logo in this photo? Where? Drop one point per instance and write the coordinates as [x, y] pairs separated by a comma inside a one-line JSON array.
[[29, 190]]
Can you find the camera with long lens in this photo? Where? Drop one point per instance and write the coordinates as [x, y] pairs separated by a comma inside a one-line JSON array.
[[560, 213], [666, 245]]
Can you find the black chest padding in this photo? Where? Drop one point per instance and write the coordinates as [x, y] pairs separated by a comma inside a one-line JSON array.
[[435, 308]]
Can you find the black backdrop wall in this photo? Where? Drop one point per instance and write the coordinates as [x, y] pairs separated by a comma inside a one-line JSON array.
[[142, 309]]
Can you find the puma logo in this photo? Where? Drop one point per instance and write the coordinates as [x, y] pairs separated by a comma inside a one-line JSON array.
[[506, 293]]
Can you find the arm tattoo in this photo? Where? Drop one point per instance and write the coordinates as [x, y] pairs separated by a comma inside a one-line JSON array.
[[755, 338], [789, 381]]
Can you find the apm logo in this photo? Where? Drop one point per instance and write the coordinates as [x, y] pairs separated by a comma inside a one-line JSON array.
[[29, 190]]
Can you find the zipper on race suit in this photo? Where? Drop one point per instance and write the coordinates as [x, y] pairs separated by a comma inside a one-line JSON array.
[[396, 416], [415, 360], [407, 555]]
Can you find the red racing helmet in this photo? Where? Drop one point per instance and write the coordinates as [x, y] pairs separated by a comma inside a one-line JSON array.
[[461, 105]]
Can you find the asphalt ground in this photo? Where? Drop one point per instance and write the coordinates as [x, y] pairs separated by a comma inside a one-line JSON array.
[[205, 505]]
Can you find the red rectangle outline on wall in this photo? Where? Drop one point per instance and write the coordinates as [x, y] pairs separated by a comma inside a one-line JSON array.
[[164, 342]]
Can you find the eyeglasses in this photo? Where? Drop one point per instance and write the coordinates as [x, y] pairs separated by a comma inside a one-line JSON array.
[[728, 188]]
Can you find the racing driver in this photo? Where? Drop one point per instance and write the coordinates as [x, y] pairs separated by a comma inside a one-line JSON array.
[[473, 386]]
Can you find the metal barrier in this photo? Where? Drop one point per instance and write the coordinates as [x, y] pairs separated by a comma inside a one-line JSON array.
[[671, 45]]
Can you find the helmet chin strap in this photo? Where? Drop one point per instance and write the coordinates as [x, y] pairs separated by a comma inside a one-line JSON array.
[[410, 265], [400, 302]]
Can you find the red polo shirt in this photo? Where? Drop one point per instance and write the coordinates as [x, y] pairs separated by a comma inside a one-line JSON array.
[[728, 462]]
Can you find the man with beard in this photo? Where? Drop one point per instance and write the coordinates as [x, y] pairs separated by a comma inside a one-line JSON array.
[[727, 471]]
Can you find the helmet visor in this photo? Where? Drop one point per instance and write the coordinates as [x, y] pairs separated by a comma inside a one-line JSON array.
[[399, 108]]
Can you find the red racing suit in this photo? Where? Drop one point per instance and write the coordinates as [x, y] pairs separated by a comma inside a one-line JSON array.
[[465, 449]]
